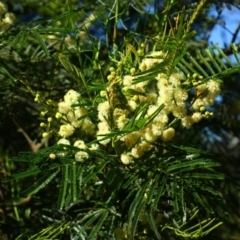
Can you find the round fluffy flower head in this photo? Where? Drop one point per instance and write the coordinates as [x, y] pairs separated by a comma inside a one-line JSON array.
[[187, 121], [148, 134], [126, 158], [196, 117], [180, 94], [80, 144], [162, 80], [121, 122], [81, 156], [168, 134], [127, 80], [139, 149], [71, 97], [52, 156], [157, 54], [88, 126], [103, 129], [8, 19], [79, 112], [66, 130], [150, 60], [179, 111], [64, 107], [147, 63], [213, 87], [103, 111], [63, 141], [132, 105], [175, 78], [131, 138], [94, 147]]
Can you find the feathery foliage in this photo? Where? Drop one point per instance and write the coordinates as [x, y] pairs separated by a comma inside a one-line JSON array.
[[108, 185]]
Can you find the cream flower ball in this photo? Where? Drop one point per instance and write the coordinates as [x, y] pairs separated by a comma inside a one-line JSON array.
[[71, 97]]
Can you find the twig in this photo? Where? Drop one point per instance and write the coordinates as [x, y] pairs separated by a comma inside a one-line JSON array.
[[34, 146], [235, 33]]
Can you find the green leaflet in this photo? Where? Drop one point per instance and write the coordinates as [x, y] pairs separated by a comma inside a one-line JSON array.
[[73, 182], [41, 183], [191, 165], [27, 173], [139, 211], [63, 186], [202, 202], [159, 192], [75, 71], [137, 204], [41, 42], [214, 67], [153, 223], [98, 225], [217, 176]]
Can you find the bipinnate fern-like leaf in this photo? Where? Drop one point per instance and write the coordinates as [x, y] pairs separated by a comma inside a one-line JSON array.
[[210, 63], [168, 185]]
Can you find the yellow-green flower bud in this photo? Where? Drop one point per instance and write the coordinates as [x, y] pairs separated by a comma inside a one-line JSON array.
[[42, 114], [111, 69], [45, 134], [132, 70], [42, 124], [134, 98], [194, 83], [110, 77], [103, 94], [208, 114], [119, 64], [195, 75], [202, 108], [52, 156], [49, 119], [49, 102], [58, 115]]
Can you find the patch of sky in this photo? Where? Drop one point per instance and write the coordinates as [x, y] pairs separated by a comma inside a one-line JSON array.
[[17, 7], [126, 24], [210, 136], [222, 33], [218, 99], [98, 32], [224, 30], [31, 16], [150, 8]]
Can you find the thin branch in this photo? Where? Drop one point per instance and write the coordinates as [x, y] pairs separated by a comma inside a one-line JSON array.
[[235, 33], [34, 146]]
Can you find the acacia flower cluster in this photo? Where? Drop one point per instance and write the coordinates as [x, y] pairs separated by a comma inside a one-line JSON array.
[[166, 92], [73, 116], [165, 98]]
